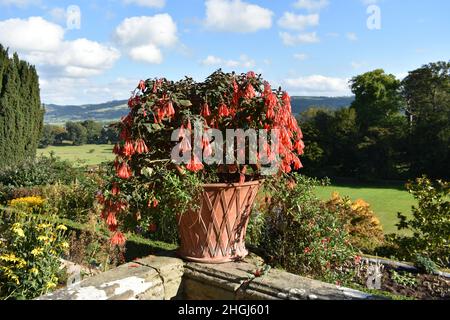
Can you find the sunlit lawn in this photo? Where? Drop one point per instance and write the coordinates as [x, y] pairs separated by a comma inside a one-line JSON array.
[[81, 155], [385, 201]]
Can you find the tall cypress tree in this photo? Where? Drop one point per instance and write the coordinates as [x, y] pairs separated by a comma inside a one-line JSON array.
[[21, 112]]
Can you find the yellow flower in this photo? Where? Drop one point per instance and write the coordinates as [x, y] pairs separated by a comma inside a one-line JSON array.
[[43, 226], [65, 245], [34, 271], [37, 251], [29, 202], [17, 229], [50, 285], [10, 274], [61, 227], [43, 238], [11, 257]]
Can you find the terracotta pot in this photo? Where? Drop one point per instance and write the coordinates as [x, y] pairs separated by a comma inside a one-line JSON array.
[[216, 232]]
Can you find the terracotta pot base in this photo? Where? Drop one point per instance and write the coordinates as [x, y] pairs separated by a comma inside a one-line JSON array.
[[216, 233]]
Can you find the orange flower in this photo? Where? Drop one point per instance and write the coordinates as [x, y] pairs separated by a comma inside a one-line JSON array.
[[115, 189], [140, 146], [124, 171], [118, 239], [223, 110], [205, 110], [128, 149], [195, 165]]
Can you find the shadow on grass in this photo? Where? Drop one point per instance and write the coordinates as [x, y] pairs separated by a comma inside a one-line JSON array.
[[353, 183]]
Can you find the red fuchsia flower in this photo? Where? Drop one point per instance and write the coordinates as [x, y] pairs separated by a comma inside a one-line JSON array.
[[307, 250], [206, 145], [118, 239], [249, 92], [358, 259], [142, 85], [140, 146], [189, 125], [286, 101], [124, 171], [223, 110], [128, 149], [194, 165], [251, 75], [205, 110], [185, 145], [115, 189], [111, 219], [297, 163], [169, 110], [299, 146], [242, 175], [152, 202]]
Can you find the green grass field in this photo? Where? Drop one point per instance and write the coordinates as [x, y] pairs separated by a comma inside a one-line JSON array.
[[81, 155], [385, 201]]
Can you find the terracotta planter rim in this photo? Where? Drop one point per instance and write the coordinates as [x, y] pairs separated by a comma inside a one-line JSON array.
[[232, 185]]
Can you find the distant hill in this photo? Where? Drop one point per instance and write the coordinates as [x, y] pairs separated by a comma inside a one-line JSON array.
[[113, 110]]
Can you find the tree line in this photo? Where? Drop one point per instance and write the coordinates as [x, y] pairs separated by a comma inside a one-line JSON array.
[[79, 133], [393, 130]]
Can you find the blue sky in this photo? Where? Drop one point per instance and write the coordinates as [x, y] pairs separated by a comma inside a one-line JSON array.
[[310, 47]]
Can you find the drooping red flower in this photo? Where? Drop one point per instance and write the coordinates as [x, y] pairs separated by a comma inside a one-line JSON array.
[[223, 110], [140, 146], [169, 110], [205, 110], [117, 149], [124, 171], [194, 165], [152, 227], [115, 189], [118, 238], [111, 219], [142, 85], [251, 75], [128, 148], [249, 92], [206, 145]]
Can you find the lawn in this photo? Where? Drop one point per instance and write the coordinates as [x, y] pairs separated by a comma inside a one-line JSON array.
[[385, 201], [89, 154]]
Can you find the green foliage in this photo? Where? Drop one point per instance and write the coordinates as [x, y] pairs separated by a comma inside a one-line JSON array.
[[301, 235], [21, 113], [77, 133], [30, 252], [427, 92], [403, 278], [425, 264], [52, 135], [430, 224], [38, 172]]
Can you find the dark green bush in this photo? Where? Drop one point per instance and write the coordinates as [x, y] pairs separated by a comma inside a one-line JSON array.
[[301, 235], [38, 172], [430, 224]]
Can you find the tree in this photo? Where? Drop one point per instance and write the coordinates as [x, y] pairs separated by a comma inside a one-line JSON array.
[[77, 133], [52, 135], [427, 93], [21, 112], [377, 97], [381, 126], [94, 131]]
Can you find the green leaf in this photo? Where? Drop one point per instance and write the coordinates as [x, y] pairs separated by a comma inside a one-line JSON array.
[[185, 103]]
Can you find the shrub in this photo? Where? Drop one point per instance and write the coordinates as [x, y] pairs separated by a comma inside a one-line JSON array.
[[38, 172], [30, 251], [363, 227], [430, 224], [301, 234]]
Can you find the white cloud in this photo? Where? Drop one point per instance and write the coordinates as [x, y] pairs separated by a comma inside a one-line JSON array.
[[295, 39], [243, 62], [352, 36], [147, 3], [358, 64], [236, 16], [148, 53], [58, 15], [35, 33], [292, 21], [19, 3], [311, 5], [42, 43], [300, 56], [84, 91], [317, 85], [139, 34]]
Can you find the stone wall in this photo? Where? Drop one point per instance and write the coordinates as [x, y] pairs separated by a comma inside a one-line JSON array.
[[163, 278]]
